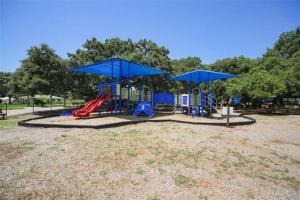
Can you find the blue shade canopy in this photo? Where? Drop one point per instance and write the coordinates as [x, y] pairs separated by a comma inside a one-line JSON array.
[[200, 76], [118, 68]]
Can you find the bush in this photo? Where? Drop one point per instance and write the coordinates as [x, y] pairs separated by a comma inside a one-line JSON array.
[[39, 102]]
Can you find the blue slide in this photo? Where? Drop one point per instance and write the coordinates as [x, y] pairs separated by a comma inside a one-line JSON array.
[[143, 107]]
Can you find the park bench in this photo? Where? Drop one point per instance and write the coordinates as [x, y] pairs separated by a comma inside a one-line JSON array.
[[2, 115]]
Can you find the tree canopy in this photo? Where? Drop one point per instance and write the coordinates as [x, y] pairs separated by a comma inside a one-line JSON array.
[[4, 79], [275, 74], [144, 52], [42, 72]]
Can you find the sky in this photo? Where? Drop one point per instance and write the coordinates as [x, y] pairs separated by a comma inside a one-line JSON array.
[[210, 30]]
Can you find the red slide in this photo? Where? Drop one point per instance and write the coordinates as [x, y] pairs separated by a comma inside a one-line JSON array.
[[92, 106]]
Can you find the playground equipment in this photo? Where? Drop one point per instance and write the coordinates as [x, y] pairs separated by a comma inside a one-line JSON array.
[[164, 101], [142, 98], [236, 101], [143, 107], [120, 71], [92, 105], [200, 104], [114, 89], [206, 101]]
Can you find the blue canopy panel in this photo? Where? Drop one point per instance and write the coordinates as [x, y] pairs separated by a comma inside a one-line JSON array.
[[200, 76], [118, 68]]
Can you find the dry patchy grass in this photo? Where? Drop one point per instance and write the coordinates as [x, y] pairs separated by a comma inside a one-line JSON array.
[[146, 161]]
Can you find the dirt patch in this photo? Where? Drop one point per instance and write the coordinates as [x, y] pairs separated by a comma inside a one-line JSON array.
[[153, 161], [277, 141], [9, 151]]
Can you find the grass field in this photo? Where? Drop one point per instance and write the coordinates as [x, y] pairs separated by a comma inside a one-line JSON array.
[[47, 105], [153, 161], [13, 106], [4, 124]]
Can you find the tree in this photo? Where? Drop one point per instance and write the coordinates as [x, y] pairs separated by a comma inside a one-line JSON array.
[[288, 43], [238, 66], [187, 64], [275, 74], [42, 72], [261, 84], [144, 52], [4, 80], [283, 62]]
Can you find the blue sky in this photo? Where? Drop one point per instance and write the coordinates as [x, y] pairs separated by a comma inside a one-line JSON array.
[[210, 30]]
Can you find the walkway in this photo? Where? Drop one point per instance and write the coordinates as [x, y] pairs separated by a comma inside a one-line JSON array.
[[28, 110]]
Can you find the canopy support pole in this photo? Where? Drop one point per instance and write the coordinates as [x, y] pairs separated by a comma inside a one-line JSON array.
[[128, 95], [115, 87], [128, 90], [115, 95], [200, 99], [140, 94], [209, 99], [189, 101], [120, 98], [152, 103]]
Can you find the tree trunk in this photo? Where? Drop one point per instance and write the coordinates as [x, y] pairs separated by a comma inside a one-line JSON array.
[[51, 101]]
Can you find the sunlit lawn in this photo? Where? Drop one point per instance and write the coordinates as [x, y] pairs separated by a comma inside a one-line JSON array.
[[8, 123], [13, 106]]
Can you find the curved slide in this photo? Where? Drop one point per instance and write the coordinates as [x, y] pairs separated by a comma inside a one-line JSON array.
[[92, 106]]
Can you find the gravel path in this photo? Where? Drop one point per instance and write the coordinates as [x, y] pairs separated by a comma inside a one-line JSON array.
[[153, 161]]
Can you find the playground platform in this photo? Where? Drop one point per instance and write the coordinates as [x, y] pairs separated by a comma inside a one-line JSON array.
[[114, 120]]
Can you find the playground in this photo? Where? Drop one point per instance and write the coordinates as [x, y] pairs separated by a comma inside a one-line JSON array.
[[121, 102], [149, 100], [132, 142]]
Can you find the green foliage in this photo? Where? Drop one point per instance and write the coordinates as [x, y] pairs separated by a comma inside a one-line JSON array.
[[181, 179], [282, 62], [41, 72], [236, 65], [153, 197], [184, 65], [187, 64], [131, 154], [144, 51], [275, 74], [261, 84], [39, 102], [288, 43], [4, 80]]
